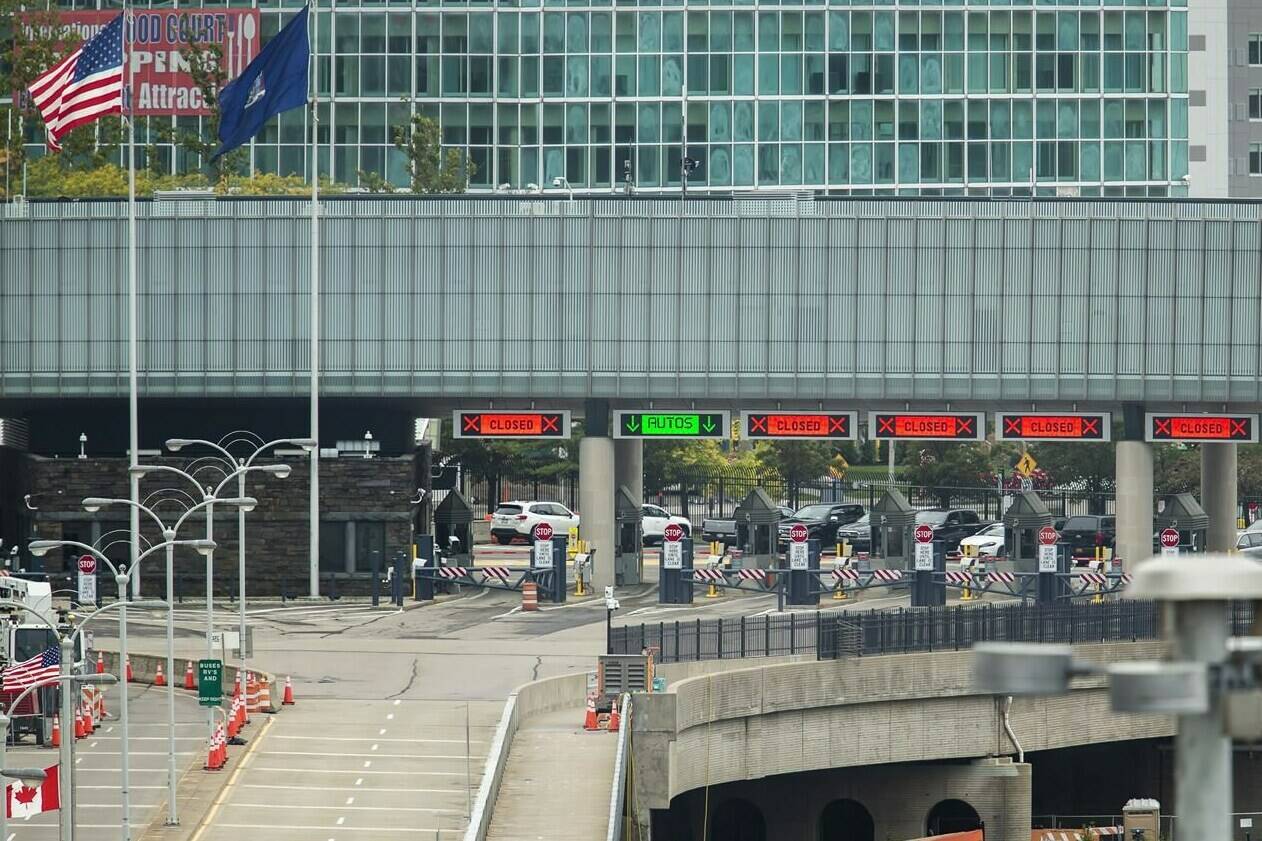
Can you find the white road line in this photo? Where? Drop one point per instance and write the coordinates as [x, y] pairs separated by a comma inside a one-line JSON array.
[[367, 762], [341, 820], [510, 613], [397, 702], [350, 801], [289, 770], [390, 808], [382, 732], [265, 786], [390, 717], [428, 830], [371, 739], [453, 757], [359, 782], [374, 747]]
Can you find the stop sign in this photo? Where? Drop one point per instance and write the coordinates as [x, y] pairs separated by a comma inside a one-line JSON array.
[[924, 533], [1048, 536], [543, 531], [87, 564], [798, 533], [1169, 538], [673, 532]]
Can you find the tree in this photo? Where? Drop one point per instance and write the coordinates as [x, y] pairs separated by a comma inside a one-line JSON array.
[[794, 461], [941, 467], [1084, 467], [432, 169], [668, 463], [206, 69]]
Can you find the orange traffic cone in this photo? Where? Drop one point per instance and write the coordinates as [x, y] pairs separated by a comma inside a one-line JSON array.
[[100, 664], [211, 755], [130, 677], [288, 699], [591, 721], [100, 706], [189, 682], [614, 718], [238, 712], [159, 679], [56, 740], [78, 724], [236, 689], [89, 725], [223, 747]]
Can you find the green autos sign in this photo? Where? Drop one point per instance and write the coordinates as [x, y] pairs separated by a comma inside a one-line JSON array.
[[209, 682], [671, 424]]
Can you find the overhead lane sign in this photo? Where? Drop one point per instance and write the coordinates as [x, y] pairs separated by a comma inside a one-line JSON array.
[[494, 424], [1014, 426], [1203, 428], [923, 426], [636, 424], [800, 425]]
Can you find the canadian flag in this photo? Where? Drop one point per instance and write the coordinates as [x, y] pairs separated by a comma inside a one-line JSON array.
[[24, 801]]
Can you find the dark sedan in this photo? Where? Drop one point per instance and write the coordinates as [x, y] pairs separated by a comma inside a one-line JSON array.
[[858, 534], [822, 521]]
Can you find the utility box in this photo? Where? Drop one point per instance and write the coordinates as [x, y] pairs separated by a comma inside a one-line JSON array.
[[617, 674], [1141, 820], [757, 529], [628, 558], [453, 518], [892, 520], [1184, 514], [1021, 523]]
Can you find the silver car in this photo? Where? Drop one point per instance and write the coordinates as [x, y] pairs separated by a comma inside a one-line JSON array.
[[1249, 544]]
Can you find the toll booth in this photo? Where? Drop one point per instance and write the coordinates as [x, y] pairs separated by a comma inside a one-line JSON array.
[[892, 520], [757, 529], [1021, 523], [453, 518], [1184, 514], [628, 557]]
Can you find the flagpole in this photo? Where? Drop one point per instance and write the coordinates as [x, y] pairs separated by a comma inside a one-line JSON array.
[[314, 559], [133, 435]]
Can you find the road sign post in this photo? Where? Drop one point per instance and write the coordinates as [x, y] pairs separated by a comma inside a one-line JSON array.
[[542, 547], [487, 424], [1052, 559], [209, 682], [87, 564], [658, 425], [798, 534], [800, 426], [924, 548], [675, 584], [1048, 538], [672, 546], [1169, 542], [87, 588]]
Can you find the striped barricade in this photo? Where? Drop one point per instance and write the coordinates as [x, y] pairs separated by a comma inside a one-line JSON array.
[[887, 575], [710, 575], [846, 574], [959, 579], [452, 573], [1001, 577], [502, 574]]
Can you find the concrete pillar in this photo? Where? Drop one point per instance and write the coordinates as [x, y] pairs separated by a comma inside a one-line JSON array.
[[1134, 502], [596, 474], [1218, 495], [628, 456]]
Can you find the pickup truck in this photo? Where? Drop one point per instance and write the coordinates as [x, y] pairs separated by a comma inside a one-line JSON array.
[[822, 521], [723, 530], [951, 526]]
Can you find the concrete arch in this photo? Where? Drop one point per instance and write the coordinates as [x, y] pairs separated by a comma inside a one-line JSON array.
[[846, 820], [951, 816], [737, 819]]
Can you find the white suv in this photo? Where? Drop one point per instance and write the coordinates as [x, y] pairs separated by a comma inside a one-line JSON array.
[[518, 519], [654, 523]]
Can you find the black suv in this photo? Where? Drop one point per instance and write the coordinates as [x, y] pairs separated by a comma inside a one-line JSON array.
[[822, 520], [1085, 532], [950, 526]]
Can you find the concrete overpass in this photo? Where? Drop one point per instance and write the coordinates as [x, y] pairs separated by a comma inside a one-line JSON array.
[[430, 304]]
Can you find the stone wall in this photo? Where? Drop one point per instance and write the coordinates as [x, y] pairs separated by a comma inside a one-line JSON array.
[[353, 490]]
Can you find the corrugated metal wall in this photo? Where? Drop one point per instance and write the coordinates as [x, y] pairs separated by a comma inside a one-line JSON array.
[[876, 299]]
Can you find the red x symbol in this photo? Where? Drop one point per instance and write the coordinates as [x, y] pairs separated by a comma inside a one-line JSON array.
[[1161, 426], [472, 423], [1090, 427], [549, 423], [1238, 428], [757, 423], [838, 424], [963, 426], [1011, 425], [885, 424]]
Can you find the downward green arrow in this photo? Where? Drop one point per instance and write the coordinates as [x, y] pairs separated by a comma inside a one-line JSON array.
[[633, 423], [708, 426]]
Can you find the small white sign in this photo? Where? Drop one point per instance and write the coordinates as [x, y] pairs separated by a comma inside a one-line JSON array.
[[542, 553], [1169, 551], [1047, 559], [87, 588], [672, 555], [924, 557], [799, 554], [1246, 823]]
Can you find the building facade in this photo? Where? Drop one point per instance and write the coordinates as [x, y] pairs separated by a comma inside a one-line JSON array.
[[1066, 97]]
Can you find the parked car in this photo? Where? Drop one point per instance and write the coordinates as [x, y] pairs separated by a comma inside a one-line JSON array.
[[950, 525], [655, 520], [989, 541], [858, 534], [1249, 544], [518, 519], [1084, 532], [822, 520], [723, 529]]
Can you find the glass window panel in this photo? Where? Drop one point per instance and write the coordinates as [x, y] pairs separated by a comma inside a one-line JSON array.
[[1136, 160], [978, 158], [977, 114], [1022, 120], [743, 165], [1113, 161], [721, 37], [908, 80], [883, 32], [743, 31], [1089, 161], [813, 121], [814, 25], [1090, 125], [861, 163], [813, 164], [953, 120], [672, 32], [838, 163], [576, 76], [931, 119], [743, 121], [768, 164], [1067, 119], [790, 32], [1114, 118], [553, 75], [1022, 162], [720, 122], [791, 163], [602, 32], [650, 32], [530, 33], [931, 74], [883, 124], [553, 32], [602, 76], [625, 40], [576, 33], [530, 76], [768, 31], [768, 121], [955, 73], [698, 31], [743, 75], [698, 73], [1000, 164], [1089, 31], [650, 75], [672, 75], [790, 122], [954, 26], [999, 127], [1134, 30], [649, 128], [838, 31], [884, 78], [480, 75], [481, 27], [908, 120], [768, 74], [506, 39], [790, 74]]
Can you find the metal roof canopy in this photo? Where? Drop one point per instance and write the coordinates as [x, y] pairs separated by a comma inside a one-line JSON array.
[[1027, 511], [454, 510], [895, 508], [1183, 512], [757, 509]]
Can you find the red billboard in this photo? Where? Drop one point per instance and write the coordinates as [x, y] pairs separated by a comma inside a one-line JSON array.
[[1192, 428], [161, 79], [946, 426]]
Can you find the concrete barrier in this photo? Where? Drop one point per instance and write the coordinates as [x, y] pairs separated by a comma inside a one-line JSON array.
[[144, 668]]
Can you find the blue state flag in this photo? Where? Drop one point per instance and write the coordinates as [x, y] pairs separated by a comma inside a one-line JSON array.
[[275, 81]]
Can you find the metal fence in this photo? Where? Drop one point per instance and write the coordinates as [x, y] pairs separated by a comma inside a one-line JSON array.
[[834, 634]]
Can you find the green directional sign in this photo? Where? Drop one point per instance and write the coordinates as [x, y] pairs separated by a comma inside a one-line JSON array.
[[209, 682], [629, 424]]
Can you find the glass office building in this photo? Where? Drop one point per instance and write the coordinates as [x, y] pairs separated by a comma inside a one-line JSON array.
[[1068, 96]]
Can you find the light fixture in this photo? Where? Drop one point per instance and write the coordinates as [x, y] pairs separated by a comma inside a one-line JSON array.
[[94, 504], [280, 471], [40, 548], [203, 547], [83, 443], [245, 503], [177, 444]]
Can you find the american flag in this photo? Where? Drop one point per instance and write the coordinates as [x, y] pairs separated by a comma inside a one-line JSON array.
[[38, 669], [83, 86]]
